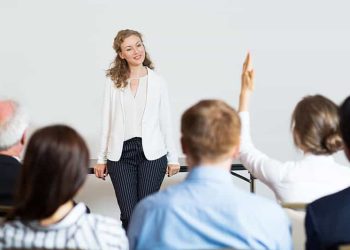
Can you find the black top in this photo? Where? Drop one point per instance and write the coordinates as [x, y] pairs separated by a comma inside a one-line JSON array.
[[327, 221], [9, 173]]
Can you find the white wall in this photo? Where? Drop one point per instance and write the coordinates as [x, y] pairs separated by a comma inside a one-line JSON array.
[[53, 55]]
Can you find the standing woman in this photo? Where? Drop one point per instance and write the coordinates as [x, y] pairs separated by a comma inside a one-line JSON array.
[[137, 148]]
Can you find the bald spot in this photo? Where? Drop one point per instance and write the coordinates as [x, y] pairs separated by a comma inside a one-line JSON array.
[[6, 110]]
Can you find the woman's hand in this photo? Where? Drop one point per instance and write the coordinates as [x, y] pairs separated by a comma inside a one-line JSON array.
[[172, 169], [247, 84], [101, 171]]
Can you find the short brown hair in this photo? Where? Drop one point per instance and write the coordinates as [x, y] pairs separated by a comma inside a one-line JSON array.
[[55, 166], [210, 129], [315, 125]]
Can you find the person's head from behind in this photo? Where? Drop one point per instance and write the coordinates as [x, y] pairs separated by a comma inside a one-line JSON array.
[[55, 167], [344, 116], [13, 124], [315, 126], [131, 52], [210, 132]]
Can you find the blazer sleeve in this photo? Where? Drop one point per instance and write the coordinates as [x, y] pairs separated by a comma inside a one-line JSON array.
[[106, 124], [312, 237], [261, 166], [166, 125]]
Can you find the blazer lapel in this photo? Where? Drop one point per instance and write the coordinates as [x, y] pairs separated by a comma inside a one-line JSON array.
[[121, 95], [149, 92]]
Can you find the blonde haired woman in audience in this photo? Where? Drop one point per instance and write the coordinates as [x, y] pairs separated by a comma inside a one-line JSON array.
[[315, 128], [45, 216]]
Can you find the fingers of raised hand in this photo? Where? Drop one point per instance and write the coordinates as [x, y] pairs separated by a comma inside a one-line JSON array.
[[251, 77], [247, 63]]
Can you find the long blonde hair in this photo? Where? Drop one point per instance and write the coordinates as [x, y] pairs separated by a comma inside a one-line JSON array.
[[119, 70]]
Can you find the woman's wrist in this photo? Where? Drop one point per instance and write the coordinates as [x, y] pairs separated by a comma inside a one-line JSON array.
[[243, 102]]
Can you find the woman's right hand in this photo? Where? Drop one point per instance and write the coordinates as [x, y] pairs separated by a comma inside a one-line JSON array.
[[247, 84], [101, 171]]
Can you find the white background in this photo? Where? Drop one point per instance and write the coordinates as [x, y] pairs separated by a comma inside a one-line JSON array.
[[53, 57]]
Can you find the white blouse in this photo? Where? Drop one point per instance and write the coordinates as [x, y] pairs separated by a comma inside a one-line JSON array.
[[134, 109], [294, 181], [157, 134]]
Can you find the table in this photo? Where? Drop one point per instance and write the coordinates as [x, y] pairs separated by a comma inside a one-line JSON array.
[[234, 167]]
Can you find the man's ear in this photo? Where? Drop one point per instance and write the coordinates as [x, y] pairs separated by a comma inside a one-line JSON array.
[[184, 146], [235, 152], [24, 137], [347, 152]]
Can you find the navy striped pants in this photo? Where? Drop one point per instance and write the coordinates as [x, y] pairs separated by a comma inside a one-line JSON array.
[[134, 177]]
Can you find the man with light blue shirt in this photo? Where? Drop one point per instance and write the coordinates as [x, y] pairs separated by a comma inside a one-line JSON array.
[[206, 211]]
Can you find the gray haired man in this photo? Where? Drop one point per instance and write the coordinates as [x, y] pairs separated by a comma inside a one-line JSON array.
[[13, 125]]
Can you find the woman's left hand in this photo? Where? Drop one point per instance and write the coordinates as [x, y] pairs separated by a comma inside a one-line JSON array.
[[247, 84], [172, 169]]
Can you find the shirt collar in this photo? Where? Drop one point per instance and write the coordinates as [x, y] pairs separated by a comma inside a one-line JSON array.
[[209, 173], [71, 218], [313, 157], [17, 158]]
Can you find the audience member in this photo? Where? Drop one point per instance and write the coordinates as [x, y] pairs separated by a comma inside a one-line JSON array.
[[315, 126], [54, 169], [13, 124], [327, 219], [206, 211]]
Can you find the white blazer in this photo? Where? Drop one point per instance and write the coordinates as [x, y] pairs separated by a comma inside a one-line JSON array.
[[157, 137]]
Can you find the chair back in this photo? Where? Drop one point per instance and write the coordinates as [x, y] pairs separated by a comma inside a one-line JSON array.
[[296, 213], [344, 247], [4, 210], [295, 206]]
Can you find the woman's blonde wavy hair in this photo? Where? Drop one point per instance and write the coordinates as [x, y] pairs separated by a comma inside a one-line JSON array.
[[119, 71]]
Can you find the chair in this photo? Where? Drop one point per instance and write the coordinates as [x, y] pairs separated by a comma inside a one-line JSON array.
[[296, 213], [4, 209], [344, 247], [295, 206]]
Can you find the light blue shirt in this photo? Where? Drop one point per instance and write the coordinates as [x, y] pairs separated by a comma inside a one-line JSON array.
[[206, 211]]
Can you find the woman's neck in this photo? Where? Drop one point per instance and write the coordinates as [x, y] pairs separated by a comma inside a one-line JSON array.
[[137, 71], [59, 214]]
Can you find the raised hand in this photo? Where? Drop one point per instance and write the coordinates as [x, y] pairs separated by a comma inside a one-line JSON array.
[[247, 84]]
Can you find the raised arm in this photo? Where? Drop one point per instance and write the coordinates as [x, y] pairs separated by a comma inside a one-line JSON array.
[[247, 84], [260, 165]]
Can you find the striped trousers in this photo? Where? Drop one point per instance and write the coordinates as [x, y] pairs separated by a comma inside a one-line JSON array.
[[134, 177]]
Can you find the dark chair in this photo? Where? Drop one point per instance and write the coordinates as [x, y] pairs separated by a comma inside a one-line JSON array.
[[3, 211]]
